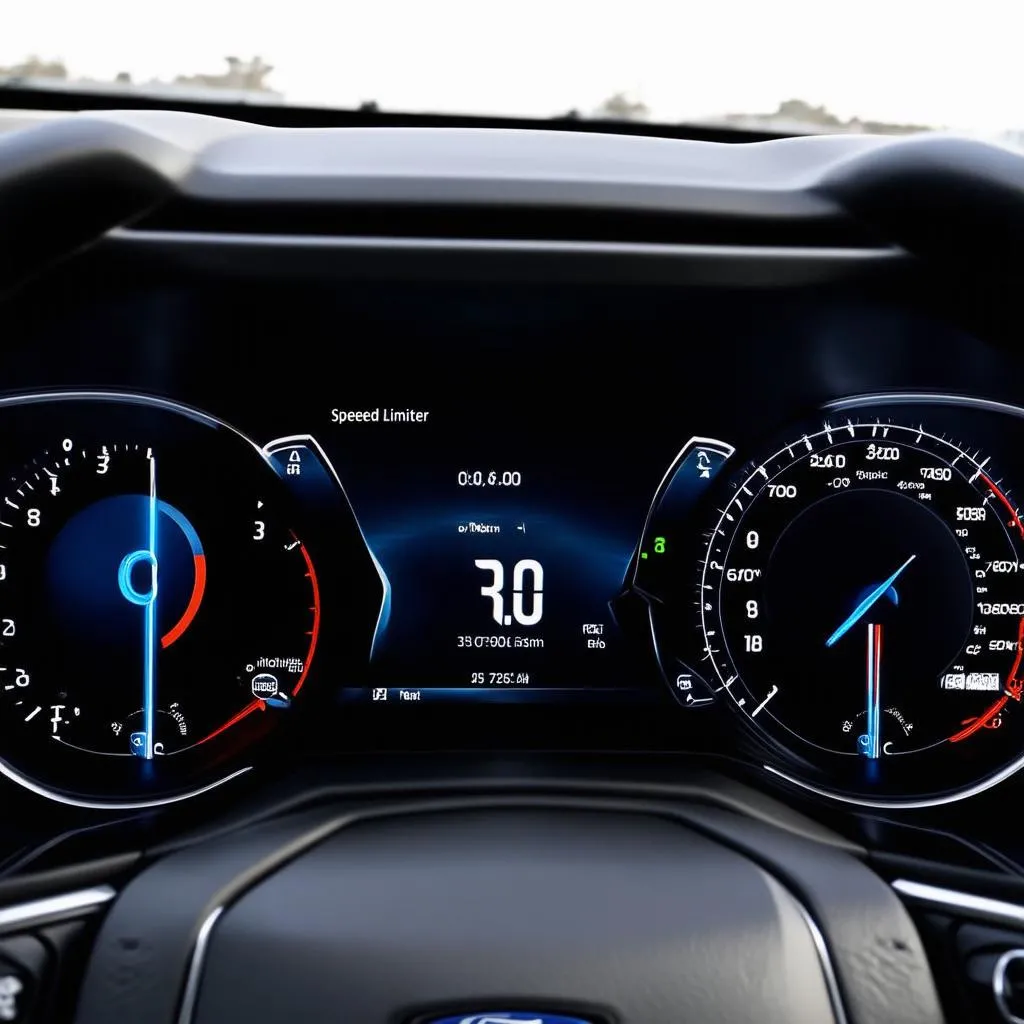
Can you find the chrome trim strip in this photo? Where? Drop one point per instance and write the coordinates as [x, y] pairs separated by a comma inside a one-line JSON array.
[[898, 804], [112, 805], [922, 398], [835, 253], [825, 959], [195, 967], [52, 908], [951, 899]]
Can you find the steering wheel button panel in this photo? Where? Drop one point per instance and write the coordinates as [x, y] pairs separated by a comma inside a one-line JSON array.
[[24, 962]]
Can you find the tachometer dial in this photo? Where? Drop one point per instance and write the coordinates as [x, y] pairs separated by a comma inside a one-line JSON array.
[[109, 579], [158, 605], [861, 603]]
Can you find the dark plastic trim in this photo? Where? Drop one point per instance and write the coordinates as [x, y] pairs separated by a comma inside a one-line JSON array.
[[279, 115]]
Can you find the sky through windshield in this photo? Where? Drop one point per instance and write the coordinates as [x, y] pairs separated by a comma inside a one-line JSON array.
[[903, 62]]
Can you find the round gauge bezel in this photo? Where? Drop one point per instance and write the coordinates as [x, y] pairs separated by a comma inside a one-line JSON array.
[[780, 759], [234, 764]]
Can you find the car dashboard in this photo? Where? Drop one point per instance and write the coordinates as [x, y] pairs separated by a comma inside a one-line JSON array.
[[343, 465]]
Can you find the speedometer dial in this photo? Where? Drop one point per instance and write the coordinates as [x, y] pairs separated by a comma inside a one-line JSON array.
[[861, 603]]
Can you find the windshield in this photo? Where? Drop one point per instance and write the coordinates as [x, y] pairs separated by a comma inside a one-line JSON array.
[[785, 66]]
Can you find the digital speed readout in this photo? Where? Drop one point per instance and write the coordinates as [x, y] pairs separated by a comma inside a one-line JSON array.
[[506, 599], [527, 604]]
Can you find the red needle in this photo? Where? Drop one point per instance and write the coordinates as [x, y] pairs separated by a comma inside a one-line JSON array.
[[874, 689]]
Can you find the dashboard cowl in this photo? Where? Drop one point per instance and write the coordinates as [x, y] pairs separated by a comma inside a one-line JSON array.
[[69, 181], [949, 199]]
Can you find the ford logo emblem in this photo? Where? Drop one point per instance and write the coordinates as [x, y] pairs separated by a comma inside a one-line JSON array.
[[509, 1017]]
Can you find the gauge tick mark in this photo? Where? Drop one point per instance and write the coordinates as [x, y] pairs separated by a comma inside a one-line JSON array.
[[760, 707]]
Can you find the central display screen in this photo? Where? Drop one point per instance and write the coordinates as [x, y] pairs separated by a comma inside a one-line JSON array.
[[501, 565]]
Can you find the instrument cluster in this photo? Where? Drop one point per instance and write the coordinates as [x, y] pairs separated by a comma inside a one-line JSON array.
[[792, 545]]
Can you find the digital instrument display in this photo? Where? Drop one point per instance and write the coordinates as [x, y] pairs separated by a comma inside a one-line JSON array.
[[501, 584], [494, 532]]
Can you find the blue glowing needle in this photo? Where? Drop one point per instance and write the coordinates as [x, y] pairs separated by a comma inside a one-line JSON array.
[[149, 682], [861, 610], [142, 742]]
